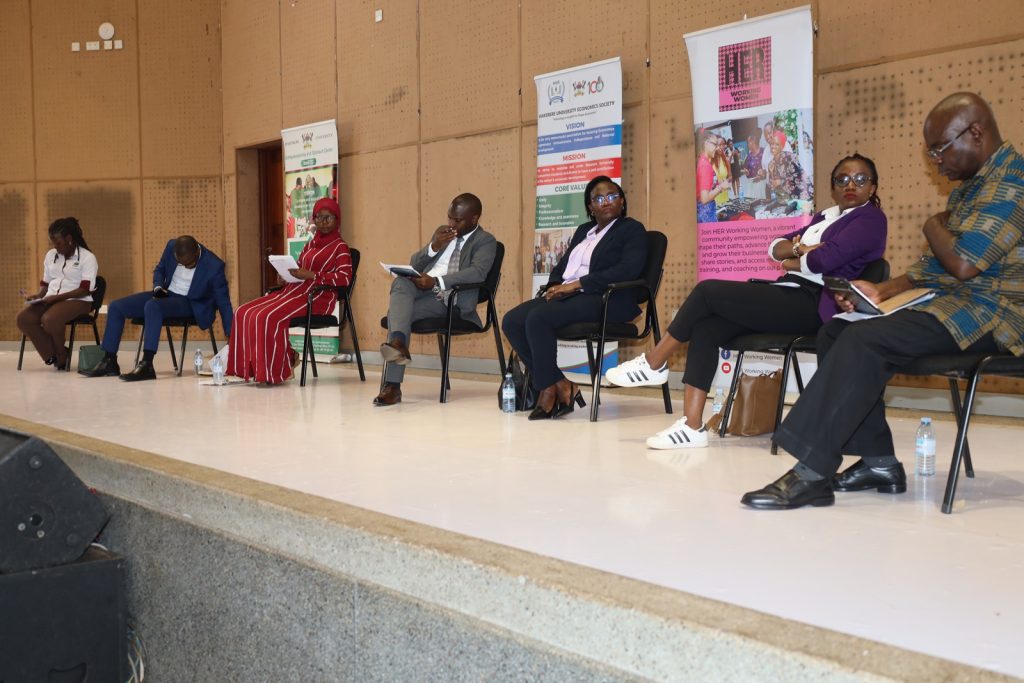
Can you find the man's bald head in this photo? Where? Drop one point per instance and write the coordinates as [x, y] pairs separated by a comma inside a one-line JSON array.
[[186, 251], [960, 133]]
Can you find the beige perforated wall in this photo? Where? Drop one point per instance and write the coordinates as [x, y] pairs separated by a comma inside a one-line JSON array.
[[436, 98]]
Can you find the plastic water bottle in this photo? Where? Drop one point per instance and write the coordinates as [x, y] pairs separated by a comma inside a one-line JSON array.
[[924, 448], [217, 365], [716, 405], [508, 394], [197, 361]]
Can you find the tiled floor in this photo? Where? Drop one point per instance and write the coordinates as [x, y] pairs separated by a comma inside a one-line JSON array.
[[888, 568]]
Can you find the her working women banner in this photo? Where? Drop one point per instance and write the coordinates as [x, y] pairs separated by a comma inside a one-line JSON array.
[[579, 136], [310, 173], [752, 107]]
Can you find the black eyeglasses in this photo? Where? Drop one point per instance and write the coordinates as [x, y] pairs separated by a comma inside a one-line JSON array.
[[859, 179], [603, 199], [936, 152], [323, 217]]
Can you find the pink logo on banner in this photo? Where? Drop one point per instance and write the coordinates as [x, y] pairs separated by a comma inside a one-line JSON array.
[[745, 74]]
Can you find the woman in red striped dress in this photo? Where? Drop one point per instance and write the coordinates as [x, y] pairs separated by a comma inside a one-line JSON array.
[[259, 348]]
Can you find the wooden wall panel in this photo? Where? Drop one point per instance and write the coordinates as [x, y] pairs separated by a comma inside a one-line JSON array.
[[181, 206], [671, 20], [380, 217], [880, 111], [180, 87], [852, 33], [251, 74], [23, 260], [488, 166], [468, 66], [378, 74], [111, 220], [558, 35], [17, 155], [673, 202], [241, 289], [529, 216], [634, 160], [309, 77], [86, 103]]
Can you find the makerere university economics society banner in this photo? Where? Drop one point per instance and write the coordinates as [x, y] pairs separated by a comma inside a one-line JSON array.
[[579, 136]]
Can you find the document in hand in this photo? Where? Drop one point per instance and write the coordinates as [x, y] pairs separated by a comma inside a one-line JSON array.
[[865, 308], [282, 264], [400, 271]]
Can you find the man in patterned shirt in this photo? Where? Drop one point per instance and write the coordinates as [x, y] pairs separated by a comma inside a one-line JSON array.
[[975, 265]]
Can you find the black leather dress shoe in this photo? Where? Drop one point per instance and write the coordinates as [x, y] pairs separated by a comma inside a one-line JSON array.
[[790, 491], [144, 370], [860, 477], [107, 367]]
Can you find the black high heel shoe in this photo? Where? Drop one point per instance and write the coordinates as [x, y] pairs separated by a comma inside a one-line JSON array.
[[576, 397], [539, 413]]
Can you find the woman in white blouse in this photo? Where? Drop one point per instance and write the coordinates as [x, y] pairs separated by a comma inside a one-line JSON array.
[[65, 292]]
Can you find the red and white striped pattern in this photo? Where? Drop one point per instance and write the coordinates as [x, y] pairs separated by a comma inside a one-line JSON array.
[[259, 333]]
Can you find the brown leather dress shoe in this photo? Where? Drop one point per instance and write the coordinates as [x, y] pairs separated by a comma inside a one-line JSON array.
[[395, 351], [389, 395]]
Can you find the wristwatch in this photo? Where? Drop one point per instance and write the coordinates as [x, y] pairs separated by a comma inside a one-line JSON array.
[[437, 289]]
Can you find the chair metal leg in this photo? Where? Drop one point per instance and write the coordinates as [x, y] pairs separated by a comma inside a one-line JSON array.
[[21, 354], [958, 413], [497, 343], [170, 345], [733, 387], [961, 438], [787, 362], [184, 343], [71, 348], [666, 395], [595, 377], [306, 342], [444, 346], [138, 349], [355, 339], [213, 341]]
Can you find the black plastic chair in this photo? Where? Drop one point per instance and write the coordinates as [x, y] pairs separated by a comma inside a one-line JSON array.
[[604, 331], [786, 345], [310, 322], [84, 319], [452, 325], [971, 367], [184, 323]]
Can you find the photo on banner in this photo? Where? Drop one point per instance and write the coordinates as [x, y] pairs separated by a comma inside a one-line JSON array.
[[753, 100], [579, 136], [310, 174]]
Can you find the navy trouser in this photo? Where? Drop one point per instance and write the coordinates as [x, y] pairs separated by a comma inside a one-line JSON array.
[[143, 305]]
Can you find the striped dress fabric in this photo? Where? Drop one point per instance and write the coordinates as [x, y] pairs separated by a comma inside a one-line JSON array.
[[259, 346]]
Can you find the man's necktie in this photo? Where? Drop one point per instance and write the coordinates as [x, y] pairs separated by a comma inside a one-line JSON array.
[[453, 265]]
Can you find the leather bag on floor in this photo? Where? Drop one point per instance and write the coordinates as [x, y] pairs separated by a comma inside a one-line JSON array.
[[753, 409]]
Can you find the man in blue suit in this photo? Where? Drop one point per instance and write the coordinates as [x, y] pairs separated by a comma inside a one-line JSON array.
[[188, 281]]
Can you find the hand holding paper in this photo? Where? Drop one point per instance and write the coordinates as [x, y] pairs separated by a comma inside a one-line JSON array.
[[283, 263]]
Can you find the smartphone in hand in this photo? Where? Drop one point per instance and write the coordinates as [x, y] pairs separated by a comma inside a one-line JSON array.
[[160, 292], [861, 303]]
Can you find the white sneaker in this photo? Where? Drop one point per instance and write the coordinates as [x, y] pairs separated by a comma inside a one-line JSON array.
[[679, 435], [637, 373]]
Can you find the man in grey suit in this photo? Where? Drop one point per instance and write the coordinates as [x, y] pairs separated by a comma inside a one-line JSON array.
[[459, 252]]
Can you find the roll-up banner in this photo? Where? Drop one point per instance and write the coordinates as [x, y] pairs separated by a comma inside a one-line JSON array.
[[310, 173], [579, 136], [753, 94]]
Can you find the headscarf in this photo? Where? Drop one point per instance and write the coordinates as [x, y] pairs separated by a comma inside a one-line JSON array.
[[326, 203]]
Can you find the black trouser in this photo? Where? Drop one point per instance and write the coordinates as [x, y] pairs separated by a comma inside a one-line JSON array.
[[719, 310], [841, 410]]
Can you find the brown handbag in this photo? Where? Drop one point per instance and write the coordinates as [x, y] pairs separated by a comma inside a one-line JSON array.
[[753, 409]]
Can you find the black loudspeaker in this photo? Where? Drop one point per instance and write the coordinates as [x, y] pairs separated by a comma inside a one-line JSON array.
[[47, 515], [65, 624]]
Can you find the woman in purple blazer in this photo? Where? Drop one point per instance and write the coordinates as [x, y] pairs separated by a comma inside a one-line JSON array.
[[840, 241]]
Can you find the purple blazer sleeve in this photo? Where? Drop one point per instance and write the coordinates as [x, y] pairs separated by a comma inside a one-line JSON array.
[[848, 246]]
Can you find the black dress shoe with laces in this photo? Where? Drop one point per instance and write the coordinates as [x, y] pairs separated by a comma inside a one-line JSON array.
[[107, 367], [790, 491], [144, 370], [860, 477]]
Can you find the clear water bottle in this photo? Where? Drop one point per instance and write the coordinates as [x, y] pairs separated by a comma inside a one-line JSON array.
[[197, 361], [508, 394], [716, 404], [217, 365], [924, 448]]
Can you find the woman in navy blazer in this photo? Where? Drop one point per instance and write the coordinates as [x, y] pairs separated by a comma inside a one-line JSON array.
[[839, 241], [610, 247]]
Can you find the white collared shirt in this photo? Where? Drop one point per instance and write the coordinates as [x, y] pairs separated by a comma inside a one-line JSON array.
[[440, 268], [811, 237], [66, 274], [181, 280]]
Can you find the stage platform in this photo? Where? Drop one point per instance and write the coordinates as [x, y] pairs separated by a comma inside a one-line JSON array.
[[569, 533]]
